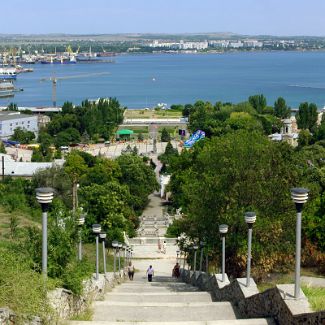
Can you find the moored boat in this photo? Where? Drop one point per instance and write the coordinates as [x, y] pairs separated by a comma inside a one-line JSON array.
[[6, 89], [8, 73]]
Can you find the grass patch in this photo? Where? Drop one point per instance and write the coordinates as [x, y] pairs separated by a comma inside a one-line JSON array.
[[150, 114], [316, 297], [86, 315], [138, 129], [89, 252], [284, 278]]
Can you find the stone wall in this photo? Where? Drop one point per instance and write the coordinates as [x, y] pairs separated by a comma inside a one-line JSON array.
[[277, 303], [66, 304]]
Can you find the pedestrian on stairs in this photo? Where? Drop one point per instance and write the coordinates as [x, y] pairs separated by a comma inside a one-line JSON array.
[[131, 271], [150, 273], [164, 246], [159, 245]]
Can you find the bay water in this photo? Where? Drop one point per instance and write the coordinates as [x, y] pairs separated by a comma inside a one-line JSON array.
[[144, 80]]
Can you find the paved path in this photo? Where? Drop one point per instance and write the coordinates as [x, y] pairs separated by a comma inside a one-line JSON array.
[[313, 281]]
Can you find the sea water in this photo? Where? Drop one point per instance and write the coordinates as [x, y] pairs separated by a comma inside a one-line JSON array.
[[144, 80]]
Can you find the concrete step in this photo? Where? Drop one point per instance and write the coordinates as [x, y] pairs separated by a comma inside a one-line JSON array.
[[136, 313], [106, 303], [161, 289], [252, 321], [159, 297]]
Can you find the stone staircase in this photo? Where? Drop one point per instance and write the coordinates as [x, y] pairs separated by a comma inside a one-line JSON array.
[[163, 301]]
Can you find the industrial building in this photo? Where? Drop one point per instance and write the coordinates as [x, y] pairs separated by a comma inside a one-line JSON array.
[[10, 120]]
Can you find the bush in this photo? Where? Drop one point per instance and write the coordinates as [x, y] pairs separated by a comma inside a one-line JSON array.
[[74, 274], [22, 289]]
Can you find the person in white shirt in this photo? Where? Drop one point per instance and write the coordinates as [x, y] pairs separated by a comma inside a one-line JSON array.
[[150, 273], [131, 271]]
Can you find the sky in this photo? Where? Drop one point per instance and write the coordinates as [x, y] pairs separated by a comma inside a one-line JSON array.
[[250, 17]]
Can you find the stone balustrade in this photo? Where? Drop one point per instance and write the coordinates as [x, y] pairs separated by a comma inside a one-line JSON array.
[[66, 304], [277, 303]]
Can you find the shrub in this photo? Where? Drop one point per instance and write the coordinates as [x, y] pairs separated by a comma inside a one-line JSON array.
[[22, 289]]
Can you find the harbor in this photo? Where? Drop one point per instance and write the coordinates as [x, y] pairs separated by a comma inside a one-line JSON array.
[[143, 81]]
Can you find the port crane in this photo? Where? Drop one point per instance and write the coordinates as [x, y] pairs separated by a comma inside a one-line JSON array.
[[55, 80]]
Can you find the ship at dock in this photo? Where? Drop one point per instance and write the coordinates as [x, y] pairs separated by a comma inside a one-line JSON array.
[[59, 60], [8, 73], [7, 89]]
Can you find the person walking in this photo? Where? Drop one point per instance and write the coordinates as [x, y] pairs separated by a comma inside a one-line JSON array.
[[159, 245], [131, 271], [164, 247], [176, 271], [150, 273]]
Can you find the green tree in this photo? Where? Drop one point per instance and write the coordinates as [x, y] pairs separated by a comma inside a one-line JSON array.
[[12, 107], [45, 141], [110, 205], [22, 135], [139, 177], [2, 147], [75, 167], [304, 138], [307, 116], [281, 109], [165, 136], [240, 171], [258, 102]]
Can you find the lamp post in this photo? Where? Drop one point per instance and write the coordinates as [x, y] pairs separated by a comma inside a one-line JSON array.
[[96, 230], [201, 254], [223, 229], [184, 259], [102, 236], [131, 254], [177, 255], [299, 196], [250, 218], [125, 261], [81, 222], [44, 196], [115, 246], [119, 257], [195, 247]]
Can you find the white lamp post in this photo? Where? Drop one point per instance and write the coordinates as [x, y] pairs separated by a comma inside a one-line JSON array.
[[250, 218], [299, 196], [195, 247], [120, 245], [44, 196], [124, 262], [115, 246], [201, 254], [102, 236], [96, 230], [223, 229], [81, 222], [177, 255]]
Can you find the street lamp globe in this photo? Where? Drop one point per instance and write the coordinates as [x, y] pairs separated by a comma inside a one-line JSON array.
[[81, 220], [250, 217], [102, 235], [96, 228], [195, 247], [114, 243], [44, 195], [223, 229], [120, 245], [299, 195]]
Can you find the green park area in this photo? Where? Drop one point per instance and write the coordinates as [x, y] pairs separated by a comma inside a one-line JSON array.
[[152, 114]]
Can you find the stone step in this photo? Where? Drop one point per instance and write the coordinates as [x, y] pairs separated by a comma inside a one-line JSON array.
[[136, 303], [142, 289], [172, 312], [251, 321], [159, 297]]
